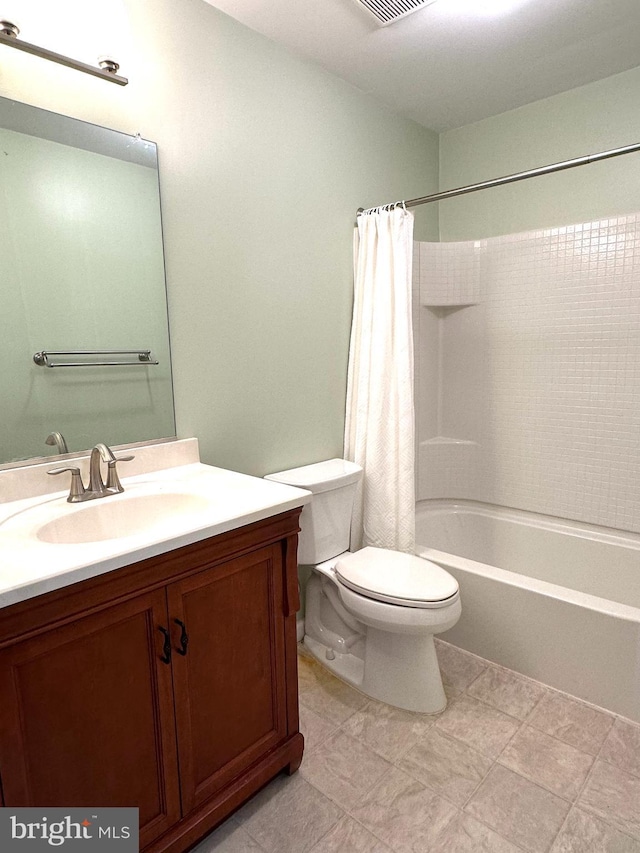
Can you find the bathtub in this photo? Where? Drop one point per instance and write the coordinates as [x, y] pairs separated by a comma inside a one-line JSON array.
[[554, 600]]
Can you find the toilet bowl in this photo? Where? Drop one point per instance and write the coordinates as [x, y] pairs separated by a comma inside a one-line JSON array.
[[379, 636], [371, 615]]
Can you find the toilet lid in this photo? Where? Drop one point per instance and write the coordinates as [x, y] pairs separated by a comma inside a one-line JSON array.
[[396, 578]]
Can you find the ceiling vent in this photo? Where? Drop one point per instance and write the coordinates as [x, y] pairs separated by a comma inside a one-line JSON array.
[[387, 11]]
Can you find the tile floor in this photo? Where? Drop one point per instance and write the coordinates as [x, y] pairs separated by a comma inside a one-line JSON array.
[[511, 765]]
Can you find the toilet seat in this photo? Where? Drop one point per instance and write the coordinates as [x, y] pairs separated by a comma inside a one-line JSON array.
[[396, 578]]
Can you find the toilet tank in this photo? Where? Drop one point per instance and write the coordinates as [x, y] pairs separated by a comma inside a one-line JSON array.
[[325, 523]]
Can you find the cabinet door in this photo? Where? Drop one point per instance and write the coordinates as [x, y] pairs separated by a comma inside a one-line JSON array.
[[230, 686], [86, 716]]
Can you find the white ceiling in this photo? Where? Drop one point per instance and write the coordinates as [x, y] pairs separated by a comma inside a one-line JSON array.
[[444, 67]]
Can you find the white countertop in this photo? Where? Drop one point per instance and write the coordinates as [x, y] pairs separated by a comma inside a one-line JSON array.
[[215, 501]]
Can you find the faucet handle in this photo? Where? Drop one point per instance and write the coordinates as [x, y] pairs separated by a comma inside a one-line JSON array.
[[77, 486], [113, 481]]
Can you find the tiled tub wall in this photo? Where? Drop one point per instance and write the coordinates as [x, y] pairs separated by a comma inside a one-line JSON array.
[[528, 371]]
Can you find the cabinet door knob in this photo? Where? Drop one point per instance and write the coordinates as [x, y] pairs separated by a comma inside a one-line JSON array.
[[166, 657], [184, 638]]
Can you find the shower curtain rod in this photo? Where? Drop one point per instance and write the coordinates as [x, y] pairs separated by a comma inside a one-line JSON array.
[[519, 176]]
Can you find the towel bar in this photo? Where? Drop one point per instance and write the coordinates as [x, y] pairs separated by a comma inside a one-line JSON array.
[[43, 358]]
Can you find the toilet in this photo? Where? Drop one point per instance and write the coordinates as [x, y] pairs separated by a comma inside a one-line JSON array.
[[371, 615]]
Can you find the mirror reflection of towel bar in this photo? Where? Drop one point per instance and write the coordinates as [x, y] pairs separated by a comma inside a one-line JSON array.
[[43, 358]]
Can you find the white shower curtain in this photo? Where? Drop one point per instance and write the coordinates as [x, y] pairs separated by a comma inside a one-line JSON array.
[[379, 427]]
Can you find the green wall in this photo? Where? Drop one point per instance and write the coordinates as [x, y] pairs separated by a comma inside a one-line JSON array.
[[586, 120], [264, 160]]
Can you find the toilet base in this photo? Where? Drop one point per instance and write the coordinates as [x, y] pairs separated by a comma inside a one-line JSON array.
[[347, 667], [414, 686]]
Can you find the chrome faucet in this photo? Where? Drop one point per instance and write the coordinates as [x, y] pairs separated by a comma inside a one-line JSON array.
[[97, 487]]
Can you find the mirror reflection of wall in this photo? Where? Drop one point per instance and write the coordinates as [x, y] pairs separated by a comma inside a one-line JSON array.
[[82, 269]]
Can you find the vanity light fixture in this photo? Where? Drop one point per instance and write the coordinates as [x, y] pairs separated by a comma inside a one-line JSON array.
[[107, 67]]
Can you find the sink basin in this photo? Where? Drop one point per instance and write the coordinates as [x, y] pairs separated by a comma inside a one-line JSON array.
[[120, 516], [47, 543]]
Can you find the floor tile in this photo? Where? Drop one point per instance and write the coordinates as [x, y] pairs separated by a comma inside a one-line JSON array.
[[310, 673], [315, 729], [551, 763], [507, 691], [467, 835], [450, 692], [518, 810], [585, 833], [326, 695], [404, 814], [348, 836], [448, 766], [343, 769], [288, 816], [613, 795], [229, 838], [483, 728], [442, 763], [458, 667], [572, 721], [388, 731], [622, 747]]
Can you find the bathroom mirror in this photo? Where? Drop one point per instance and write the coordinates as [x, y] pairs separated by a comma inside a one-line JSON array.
[[82, 280]]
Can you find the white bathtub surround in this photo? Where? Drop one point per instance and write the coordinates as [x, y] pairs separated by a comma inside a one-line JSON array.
[[528, 360], [379, 428], [556, 601]]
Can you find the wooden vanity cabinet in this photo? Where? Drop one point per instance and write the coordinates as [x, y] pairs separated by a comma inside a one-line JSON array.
[[170, 685], [232, 679], [86, 716]]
